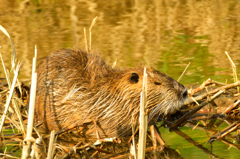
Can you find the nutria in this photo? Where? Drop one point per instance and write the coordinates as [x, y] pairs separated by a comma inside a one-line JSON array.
[[76, 87]]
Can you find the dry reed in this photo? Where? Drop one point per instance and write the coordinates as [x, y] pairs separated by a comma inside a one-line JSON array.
[[13, 61], [143, 119], [27, 141], [235, 78]]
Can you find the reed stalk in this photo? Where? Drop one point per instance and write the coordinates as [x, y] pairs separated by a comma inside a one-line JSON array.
[[143, 119], [85, 39], [133, 139], [13, 61], [90, 32], [35, 154], [27, 143], [88, 45], [50, 147], [235, 78], [7, 78], [183, 72], [10, 96]]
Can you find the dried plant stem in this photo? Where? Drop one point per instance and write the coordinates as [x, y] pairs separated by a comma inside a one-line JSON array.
[[114, 64], [10, 96], [143, 119], [13, 61], [88, 45], [90, 32], [200, 97], [85, 39], [133, 139], [27, 144], [32, 96], [194, 110], [225, 131], [229, 108], [34, 153], [234, 69], [203, 85], [8, 156], [7, 78], [13, 57], [50, 147], [23, 125], [184, 72]]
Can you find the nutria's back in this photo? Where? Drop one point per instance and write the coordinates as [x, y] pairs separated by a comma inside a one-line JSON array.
[[76, 87]]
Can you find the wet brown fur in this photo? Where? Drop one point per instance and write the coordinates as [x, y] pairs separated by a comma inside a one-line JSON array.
[[76, 87]]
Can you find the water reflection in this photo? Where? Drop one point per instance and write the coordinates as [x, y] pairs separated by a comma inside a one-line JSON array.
[[163, 34]]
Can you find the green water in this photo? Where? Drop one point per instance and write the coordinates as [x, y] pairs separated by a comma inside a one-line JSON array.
[[189, 150]]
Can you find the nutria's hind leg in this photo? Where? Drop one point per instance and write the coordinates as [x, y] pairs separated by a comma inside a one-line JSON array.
[[153, 135], [156, 135]]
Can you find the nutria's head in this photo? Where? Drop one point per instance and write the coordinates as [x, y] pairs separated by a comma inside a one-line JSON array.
[[164, 94]]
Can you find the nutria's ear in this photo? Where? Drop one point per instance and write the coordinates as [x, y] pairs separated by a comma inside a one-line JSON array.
[[134, 78]]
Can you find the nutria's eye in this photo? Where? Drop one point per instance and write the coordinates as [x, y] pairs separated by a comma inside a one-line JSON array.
[[157, 83], [134, 78]]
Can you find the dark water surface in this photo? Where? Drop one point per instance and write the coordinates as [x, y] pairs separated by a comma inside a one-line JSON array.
[[164, 34]]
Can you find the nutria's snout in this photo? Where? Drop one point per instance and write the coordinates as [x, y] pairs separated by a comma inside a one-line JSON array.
[[185, 94]]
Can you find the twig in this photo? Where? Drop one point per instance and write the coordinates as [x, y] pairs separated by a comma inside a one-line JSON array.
[[1, 154], [203, 85], [200, 97], [226, 131], [233, 68], [229, 108], [194, 110], [184, 72], [229, 143], [90, 33]]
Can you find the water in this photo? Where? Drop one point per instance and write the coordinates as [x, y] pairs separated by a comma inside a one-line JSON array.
[[164, 34], [201, 149]]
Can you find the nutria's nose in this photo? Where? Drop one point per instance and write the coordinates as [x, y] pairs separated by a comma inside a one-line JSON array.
[[185, 94]]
